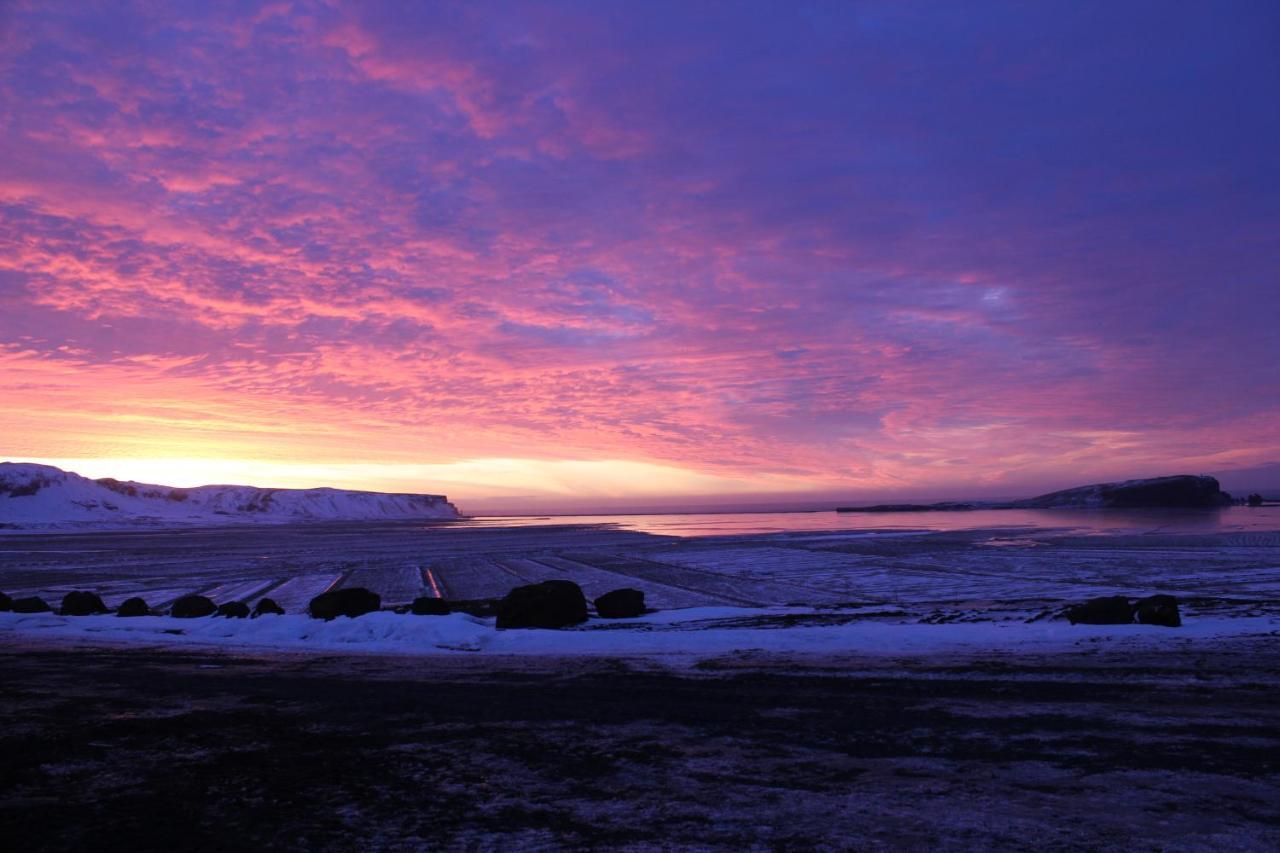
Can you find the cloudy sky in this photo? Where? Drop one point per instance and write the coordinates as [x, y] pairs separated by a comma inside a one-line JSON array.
[[641, 252]]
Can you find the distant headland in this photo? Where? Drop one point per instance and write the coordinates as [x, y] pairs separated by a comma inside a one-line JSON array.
[[1182, 491]]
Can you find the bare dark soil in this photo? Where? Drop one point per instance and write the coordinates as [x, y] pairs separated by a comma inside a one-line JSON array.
[[155, 749]]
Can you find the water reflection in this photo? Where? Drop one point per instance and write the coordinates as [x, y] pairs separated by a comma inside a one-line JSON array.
[[1087, 522]]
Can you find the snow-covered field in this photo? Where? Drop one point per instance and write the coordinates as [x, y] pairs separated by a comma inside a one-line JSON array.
[[821, 593]]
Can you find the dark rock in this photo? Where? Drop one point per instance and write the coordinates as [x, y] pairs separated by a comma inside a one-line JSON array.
[[81, 603], [620, 604], [234, 610], [550, 604], [425, 606], [1255, 499], [485, 608], [1111, 610], [350, 601], [133, 607], [34, 604], [1158, 610], [193, 607], [267, 607], [6, 603]]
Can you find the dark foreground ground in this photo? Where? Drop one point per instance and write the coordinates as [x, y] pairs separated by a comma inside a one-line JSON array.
[[150, 749]]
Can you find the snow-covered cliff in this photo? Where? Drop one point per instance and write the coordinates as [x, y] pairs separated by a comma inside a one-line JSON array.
[[44, 497]]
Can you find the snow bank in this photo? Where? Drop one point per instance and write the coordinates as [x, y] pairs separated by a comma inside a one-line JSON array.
[[679, 636], [44, 497]]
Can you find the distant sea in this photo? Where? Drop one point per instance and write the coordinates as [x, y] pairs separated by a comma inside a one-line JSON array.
[[1236, 519]]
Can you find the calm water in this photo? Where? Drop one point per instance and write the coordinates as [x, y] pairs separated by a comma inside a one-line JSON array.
[[1095, 522]]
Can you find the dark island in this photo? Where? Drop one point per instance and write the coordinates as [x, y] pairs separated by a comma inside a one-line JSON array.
[[1182, 491]]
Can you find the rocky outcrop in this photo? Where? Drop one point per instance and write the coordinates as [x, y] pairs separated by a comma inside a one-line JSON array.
[[350, 601], [550, 604], [82, 603], [623, 603], [1180, 492], [32, 604], [133, 607], [426, 606], [192, 607], [267, 607]]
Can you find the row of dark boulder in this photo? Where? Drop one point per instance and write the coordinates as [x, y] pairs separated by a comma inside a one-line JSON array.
[[1121, 610], [550, 604], [84, 603]]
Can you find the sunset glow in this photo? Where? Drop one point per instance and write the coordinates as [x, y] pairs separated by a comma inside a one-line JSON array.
[[647, 252]]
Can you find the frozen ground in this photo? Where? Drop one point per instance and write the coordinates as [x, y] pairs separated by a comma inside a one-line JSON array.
[[145, 749], [786, 592]]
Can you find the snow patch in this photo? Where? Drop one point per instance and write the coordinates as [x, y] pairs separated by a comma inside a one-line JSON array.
[[677, 636]]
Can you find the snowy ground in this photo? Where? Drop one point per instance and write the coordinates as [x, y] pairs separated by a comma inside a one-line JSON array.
[[676, 637], [827, 591], [162, 749]]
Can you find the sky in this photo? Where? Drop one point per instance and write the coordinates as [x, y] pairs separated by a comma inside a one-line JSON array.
[[660, 253]]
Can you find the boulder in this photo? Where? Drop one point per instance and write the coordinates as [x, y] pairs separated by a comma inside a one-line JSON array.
[[81, 603], [1110, 610], [192, 607], [267, 607], [234, 610], [1158, 610], [620, 604], [133, 607], [550, 604], [425, 606], [34, 604], [350, 601], [6, 603], [1255, 499], [484, 608]]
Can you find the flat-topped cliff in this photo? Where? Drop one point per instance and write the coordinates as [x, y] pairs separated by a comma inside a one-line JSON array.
[[43, 497], [1181, 491]]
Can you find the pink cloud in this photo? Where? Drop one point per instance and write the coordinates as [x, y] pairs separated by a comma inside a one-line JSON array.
[[368, 236]]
